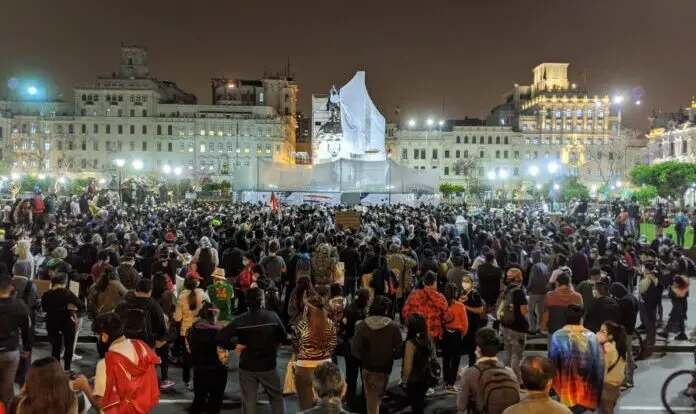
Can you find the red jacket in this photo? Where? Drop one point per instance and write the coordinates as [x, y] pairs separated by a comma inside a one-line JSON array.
[[131, 388], [432, 305]]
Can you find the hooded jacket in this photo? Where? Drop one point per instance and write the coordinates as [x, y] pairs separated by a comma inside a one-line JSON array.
[[377, 343], [628, 305], [432, 305]]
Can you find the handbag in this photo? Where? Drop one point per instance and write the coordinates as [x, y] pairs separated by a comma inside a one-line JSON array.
[[289, 383]]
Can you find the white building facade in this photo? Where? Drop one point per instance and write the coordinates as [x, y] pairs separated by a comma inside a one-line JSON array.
[[151, 124]]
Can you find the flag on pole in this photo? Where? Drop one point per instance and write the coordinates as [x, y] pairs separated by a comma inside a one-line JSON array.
[[274, 202]]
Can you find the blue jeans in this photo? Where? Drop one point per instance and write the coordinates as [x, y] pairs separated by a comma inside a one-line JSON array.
[[9, 361]]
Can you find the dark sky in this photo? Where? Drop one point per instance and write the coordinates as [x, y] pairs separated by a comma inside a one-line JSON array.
[[417, 54]]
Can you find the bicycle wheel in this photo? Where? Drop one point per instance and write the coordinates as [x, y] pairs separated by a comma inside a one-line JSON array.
[[677, 391]]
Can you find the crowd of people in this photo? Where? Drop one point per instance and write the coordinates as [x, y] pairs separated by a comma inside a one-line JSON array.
[[188, 284]]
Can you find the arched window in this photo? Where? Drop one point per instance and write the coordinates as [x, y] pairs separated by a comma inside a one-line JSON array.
[[159, 129], [490, 140], [473, 140], [84, 97], [169, 130], [506, 140], [497, 140]]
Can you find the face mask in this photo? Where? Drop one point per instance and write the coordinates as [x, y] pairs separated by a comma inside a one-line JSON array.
[[245, 262], [595, 294]]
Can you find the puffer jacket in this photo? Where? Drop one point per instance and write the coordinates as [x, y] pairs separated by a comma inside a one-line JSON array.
[[323, 264], [432, 305], [184, 314], [402, 265]]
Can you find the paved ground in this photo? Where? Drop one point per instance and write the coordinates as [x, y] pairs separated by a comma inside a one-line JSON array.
[[644, 398]]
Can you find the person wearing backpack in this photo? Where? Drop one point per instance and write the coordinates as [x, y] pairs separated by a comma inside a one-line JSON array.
[[418, 371], [125, 381], [141, 315], [489, 386], [513, 317]]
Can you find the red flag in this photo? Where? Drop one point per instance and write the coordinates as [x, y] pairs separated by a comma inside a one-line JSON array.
[[274, 202]]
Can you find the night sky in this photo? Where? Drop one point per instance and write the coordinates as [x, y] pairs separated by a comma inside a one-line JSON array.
[[417, 54]]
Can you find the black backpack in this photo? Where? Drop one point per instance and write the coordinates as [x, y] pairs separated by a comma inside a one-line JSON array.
[[497, 389], [426, 366], [137, 323]]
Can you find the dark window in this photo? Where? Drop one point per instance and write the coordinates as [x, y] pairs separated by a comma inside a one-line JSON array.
[[159, 129], [481, 154], [466, 139], [505, 154], [60, 145], [144, 129], [71, 129], [459, 140], [144, 145], [434, 154], [404, 154], [506, 140], [415, 154], [159, 147], [497, 154], [466, 153], [95, 128], [169, 130], [132, 112], [84, 128], [422, 154], [0, 132], [497, 140], [71, 145], [447, 154], [490, 140], [169, 147], [446, 170], [611, 156], [84, 145], [457, 154], [120, 129], [132, 129], [108, 128], [516, 171], [473, 140]]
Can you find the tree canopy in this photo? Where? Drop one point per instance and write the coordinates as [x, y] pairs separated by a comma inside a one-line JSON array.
[[571, 188], [671, 179]]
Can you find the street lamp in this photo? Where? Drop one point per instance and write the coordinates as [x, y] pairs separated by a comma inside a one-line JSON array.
[[137, 165], [491, 175], [441, 123], [619, 184], [430, 122], [166, 169], [533, 170], [62, 180], [503, 174], [539, 186], [618, 99], [41, 176], [177, 171], [102, 181], [556, 187], [411, 123], [15, 176], [120, 162], [32, 90], [553, 167]]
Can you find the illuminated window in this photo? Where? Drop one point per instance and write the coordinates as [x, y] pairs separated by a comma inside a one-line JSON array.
[[47, 146], [202, 147], [246, 149]]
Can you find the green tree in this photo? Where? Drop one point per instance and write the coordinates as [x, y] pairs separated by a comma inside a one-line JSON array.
[[671, 179], [645, 194], [571, 188], [449, 189]]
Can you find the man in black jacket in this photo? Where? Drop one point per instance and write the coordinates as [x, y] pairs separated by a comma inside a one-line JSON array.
[[377, 343], [256, 335], [61, 307], [628, 305], [15, 323], [602, 309], [351, 259], [142, 303]]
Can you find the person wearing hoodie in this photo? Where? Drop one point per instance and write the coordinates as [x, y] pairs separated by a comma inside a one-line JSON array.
[[126, 272], [376, 344], [628, 305], [537, 287], [431, 304], [602, 309], [140, 303], [209, 362], [579, 265]]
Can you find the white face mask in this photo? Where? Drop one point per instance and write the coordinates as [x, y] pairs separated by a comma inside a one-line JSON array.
[[245, 262]]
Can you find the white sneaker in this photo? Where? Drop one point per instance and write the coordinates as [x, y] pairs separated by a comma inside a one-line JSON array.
[[430, 392], [77, 357]]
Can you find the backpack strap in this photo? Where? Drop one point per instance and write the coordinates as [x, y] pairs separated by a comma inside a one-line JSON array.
[[612, 366]]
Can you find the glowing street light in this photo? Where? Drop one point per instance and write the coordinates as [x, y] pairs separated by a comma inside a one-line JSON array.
[[137, 165], [4, 178], [553, 167], [491, 175], [619, 184], [41, 176], [441, 123], [102, 181], [539, 186], [618, 99], [15, 176], [166, 169], [32, 90], [639, 102], [411, 123], [120, 162], [533, 170], [177, 171], [62, 180], [503, 174], [556, 187], [430, 122]]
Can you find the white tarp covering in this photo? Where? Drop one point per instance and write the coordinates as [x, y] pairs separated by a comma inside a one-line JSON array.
[[362, 124]]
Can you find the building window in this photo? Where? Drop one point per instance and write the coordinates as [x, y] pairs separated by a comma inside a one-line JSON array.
[[120, 129], [516, 155], [108, 128], [490, 140], [71, 129], [120, 111], [83, 145], [497, 140], [169, 130], [144, 112], [422, 154], [159, 129], [536, 155], [526, 155], [131, 145], [611, 156], [71, 145], [83, 163], [466, 153], [473, 140], [144, 145], [144, 129], [84, 128], [95, 128], [506, 140], [47, 146], [132, 129], [457, 154], [447, 154], [404, 154], [527, 140], [446, 170], [132, 111], [108, 145], [83, 112], [481, 154], [59, 146], [466, 139], [558, 155], [505, 154], [415, 154], [170, 147], [202, 148], [497, 154], [459, 140], [434, 154], [96, 145]]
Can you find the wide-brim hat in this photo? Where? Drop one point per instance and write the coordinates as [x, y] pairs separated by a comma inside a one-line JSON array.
[[219, 273]]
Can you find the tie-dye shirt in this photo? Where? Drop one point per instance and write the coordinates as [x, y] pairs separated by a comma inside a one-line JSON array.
[[580, 367]]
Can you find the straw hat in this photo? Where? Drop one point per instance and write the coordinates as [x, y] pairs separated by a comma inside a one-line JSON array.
[[219, 273]]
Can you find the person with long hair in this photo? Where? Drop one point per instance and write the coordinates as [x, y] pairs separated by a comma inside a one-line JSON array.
[[299, 296], [380, 276], [452, 337], [206, 258], [475, 309], [417, 350], [48, 390], [166, 300], [314, 340], [106, 294], [209, 362], [190, 303], [244, 281], [612, 338]]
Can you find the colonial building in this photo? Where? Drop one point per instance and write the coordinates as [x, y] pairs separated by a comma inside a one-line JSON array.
[[672, 136], [547, 129], [150, 126]]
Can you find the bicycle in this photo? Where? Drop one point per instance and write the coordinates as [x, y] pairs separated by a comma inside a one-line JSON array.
[[679, 391]]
